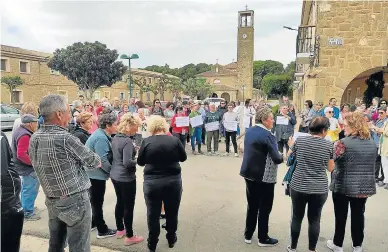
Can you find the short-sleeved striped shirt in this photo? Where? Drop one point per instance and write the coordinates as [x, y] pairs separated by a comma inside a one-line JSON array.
[[312, 157]]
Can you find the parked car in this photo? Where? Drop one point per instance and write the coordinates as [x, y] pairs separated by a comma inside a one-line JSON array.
[[216, 101], [8, 116]]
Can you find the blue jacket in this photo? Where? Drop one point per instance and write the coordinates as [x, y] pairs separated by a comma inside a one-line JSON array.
[[261, 155], [100, 143], [335, 110]]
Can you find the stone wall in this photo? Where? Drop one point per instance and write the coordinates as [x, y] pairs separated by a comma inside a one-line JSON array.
[[363, 27], [245, 53]]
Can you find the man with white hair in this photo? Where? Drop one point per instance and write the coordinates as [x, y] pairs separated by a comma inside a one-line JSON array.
[[60, 160], [212, 125]]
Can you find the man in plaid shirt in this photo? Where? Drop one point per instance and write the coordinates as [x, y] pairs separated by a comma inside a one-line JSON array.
[[60, 160]]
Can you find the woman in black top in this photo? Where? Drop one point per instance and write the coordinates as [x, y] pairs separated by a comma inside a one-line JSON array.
[[161, 154], [84, 124], [123, 177], [157, 108]]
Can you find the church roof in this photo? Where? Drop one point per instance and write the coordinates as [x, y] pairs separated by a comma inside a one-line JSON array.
[[231, 66], [223, 87]]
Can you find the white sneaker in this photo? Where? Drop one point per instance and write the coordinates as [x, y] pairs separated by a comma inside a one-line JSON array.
[[226, 154], [358, 249], [289, 249], [248, 241], [330, 244], [236, 155], [209, 153]]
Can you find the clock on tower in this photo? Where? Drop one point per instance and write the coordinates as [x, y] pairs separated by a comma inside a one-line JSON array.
[[245, 52]]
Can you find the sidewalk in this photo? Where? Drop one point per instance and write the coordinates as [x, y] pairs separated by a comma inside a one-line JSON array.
[[35, 244]]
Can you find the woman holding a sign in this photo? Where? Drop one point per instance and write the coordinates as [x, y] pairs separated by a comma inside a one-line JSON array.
[[284, 127], [195, 128], [230, 121], [212, 125], [180, 125]]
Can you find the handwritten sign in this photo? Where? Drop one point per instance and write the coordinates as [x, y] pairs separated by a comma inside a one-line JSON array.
[[231, 125], [212, 126], [183, 121], [196, 121], [299, 134], [281, 120]]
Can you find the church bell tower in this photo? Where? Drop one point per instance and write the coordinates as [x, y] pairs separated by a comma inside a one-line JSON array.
[[245, 52]]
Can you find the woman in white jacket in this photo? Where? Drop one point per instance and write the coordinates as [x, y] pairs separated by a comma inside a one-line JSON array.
[[249, 114]]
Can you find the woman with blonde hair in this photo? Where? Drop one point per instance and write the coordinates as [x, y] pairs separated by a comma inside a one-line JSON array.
[[353, 180], [27, 108], [161, 154], [123, 176], [90, 108]]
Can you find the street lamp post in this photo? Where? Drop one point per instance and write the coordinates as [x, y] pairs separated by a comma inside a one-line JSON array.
[[243, 89], [133, 56]]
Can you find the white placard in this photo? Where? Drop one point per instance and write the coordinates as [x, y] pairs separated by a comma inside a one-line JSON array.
[[232, 125], [182, 121], [299, 134], [196, 121], [282, 120], [212, 126]]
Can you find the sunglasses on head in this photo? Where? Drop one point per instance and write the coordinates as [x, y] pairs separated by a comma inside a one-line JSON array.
[[383, 103], [157, 102]]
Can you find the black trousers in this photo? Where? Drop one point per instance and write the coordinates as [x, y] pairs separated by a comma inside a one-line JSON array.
[[203, 136], [181, 138], [281, 144], [169, 191], [357, 209], [315, 204], [11, 231], [228, 136], [378, 168], [126, 195], [260, 200], [97, 194]]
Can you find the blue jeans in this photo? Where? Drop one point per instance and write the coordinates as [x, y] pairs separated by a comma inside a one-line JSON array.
[[70, 217], [197, 135], [30, 189]]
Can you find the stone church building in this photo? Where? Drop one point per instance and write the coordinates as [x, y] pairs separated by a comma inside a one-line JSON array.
[[340, 44], [234, 81]]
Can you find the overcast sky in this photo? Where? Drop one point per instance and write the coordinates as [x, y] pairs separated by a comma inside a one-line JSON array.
[[172, 32]]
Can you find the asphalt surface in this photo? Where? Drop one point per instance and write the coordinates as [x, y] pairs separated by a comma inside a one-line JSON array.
[[212, 213]]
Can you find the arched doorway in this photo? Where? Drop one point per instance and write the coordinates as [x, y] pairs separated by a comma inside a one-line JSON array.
[[214, 95], [357, 86], [226, 96]]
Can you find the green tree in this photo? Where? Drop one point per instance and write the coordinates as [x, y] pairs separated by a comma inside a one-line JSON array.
[[263, 67], [197, 87], [143, 85], [12, 82], [186, 72], [290, 68], [277, 84], [89, 65], [162, 84], [176, 87]]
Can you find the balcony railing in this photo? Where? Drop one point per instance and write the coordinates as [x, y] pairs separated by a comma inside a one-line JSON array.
[[307, 46]]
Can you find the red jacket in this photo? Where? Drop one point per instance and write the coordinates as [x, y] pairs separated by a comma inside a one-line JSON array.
[[176, 129]]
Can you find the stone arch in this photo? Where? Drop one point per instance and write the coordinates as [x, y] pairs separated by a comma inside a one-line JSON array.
[[356, 87], [226, 96], [214, 95]]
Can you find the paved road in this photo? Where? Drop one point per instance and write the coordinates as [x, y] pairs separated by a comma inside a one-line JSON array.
[[212, 213]]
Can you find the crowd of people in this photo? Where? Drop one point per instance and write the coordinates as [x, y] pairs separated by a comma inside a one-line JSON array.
[[71, 153]]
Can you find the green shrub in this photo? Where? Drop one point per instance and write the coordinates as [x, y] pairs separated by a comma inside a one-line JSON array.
[[275, 109]]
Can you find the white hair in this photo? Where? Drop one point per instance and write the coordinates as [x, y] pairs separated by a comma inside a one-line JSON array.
[[77, 103], [51, 104]]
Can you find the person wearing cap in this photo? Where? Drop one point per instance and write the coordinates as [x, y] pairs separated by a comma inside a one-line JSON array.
[[377, 130], [23, 166], [334, 129], [332, 104]]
